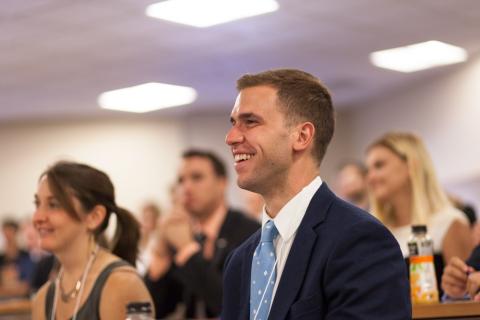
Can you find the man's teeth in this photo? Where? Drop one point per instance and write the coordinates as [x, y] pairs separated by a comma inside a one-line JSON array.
[[44, 231], [242, 156]]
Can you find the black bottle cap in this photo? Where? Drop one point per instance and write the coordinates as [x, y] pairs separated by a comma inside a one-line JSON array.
[[421, 228]]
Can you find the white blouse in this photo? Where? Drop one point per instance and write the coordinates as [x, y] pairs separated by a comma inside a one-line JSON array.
[[437, 228]]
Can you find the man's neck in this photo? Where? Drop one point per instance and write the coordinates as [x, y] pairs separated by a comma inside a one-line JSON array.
[[210, 225], [294, 182], [11, 250]]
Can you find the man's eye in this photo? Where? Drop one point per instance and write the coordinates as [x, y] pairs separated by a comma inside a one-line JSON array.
[[378, 165], [197, 177], [54, 205], [36, 203]]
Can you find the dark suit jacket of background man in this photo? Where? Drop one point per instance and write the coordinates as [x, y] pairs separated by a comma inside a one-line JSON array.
[[200, 278], [343, 264]]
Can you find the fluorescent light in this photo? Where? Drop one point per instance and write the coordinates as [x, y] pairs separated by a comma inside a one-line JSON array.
[[206, 13], [147, 97], [418, 56]]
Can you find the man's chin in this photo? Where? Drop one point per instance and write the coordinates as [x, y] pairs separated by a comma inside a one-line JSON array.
[[246, 184]]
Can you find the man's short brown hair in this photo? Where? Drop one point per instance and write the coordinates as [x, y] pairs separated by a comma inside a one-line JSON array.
[[303, 98]]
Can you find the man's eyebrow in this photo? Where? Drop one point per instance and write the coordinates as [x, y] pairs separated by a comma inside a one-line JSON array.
[[245, 116]]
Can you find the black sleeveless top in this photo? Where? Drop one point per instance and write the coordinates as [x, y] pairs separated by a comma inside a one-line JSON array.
[[91, 307]]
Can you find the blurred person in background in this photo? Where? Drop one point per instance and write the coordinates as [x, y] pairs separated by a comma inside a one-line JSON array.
[[471, 215], [74, 203], [44, 262], [16, 265], [461, 279], [32, 241], [352, 184], [150, 218], [404, 191], [185, 276]]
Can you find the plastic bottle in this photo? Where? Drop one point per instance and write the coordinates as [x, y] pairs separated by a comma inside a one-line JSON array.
[[139, 311], [423, 282]]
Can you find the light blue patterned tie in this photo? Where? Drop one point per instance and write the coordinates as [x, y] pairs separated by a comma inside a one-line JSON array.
[[263, 274]]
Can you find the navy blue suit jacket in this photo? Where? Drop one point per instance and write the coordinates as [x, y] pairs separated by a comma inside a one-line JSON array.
[[343, 264]]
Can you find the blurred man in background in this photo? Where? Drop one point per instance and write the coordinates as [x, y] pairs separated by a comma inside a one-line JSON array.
[[194, 241], [352, 184], [16, 266]]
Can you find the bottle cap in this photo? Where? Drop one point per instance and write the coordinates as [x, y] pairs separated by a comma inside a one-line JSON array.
[[421, 228]]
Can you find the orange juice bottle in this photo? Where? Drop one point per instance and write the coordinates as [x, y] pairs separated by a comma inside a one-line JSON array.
[[423, 282]]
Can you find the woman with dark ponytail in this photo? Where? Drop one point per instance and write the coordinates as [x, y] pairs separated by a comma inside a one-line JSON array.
[[74, 204]]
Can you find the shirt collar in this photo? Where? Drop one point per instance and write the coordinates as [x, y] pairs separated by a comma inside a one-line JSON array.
[[211, 227], [289, 217]]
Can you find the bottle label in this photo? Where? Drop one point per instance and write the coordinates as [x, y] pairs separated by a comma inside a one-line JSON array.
[[412, 249], [423, 283]]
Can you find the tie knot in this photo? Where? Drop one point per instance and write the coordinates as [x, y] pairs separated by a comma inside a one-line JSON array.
[[269, 232]]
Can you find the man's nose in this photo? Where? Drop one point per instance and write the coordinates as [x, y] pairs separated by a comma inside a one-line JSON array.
[[234, 136]]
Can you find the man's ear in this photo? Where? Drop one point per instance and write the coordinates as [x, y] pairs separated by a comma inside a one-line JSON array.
[[95, 217], [304, 134]]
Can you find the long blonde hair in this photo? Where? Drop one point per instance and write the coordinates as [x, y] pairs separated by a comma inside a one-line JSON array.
[[428, 196]]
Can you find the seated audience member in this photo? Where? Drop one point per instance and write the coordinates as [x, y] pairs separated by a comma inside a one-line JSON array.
[[43, 261], [150, 217], [45, 269], [471, 215], [185, 276], [31, 241], [317, 256], [461, 280], [405, 191], [352, 184], [466, 208], [16, 266], [73, 205]]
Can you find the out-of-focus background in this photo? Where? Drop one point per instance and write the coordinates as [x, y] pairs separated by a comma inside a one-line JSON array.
[[56, 57]]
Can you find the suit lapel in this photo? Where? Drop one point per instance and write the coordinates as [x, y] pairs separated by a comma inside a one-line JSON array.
[[298, 259]]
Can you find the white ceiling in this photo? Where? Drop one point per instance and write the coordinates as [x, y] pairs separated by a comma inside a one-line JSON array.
[[56, 56]]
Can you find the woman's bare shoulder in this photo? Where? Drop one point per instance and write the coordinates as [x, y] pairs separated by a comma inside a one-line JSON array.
[[123, 286]]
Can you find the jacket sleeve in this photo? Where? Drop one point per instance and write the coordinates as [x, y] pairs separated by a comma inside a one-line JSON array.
[[366, 277], [166, 293], [204, 280]]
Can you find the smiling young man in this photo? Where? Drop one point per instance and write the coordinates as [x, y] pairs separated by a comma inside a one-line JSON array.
[[316, 257]]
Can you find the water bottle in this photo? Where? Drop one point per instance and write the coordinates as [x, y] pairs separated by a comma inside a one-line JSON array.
[[423, 282], [139, 311]]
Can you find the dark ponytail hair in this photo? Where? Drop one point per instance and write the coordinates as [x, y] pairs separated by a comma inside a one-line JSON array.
[[91, 187], [126, 236]]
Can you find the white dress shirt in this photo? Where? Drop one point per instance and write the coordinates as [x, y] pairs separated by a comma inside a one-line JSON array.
[[287, 222]]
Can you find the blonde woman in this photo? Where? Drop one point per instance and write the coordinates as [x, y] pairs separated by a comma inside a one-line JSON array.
[[404, 191], [73, 205]]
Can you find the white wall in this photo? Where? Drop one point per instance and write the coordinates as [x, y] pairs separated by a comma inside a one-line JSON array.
[[142, 156], [137, 155], [445, 112]]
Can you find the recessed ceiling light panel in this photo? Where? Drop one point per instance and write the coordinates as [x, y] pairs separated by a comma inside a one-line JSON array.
[[418, 56], [147, 97], [206, 13]]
